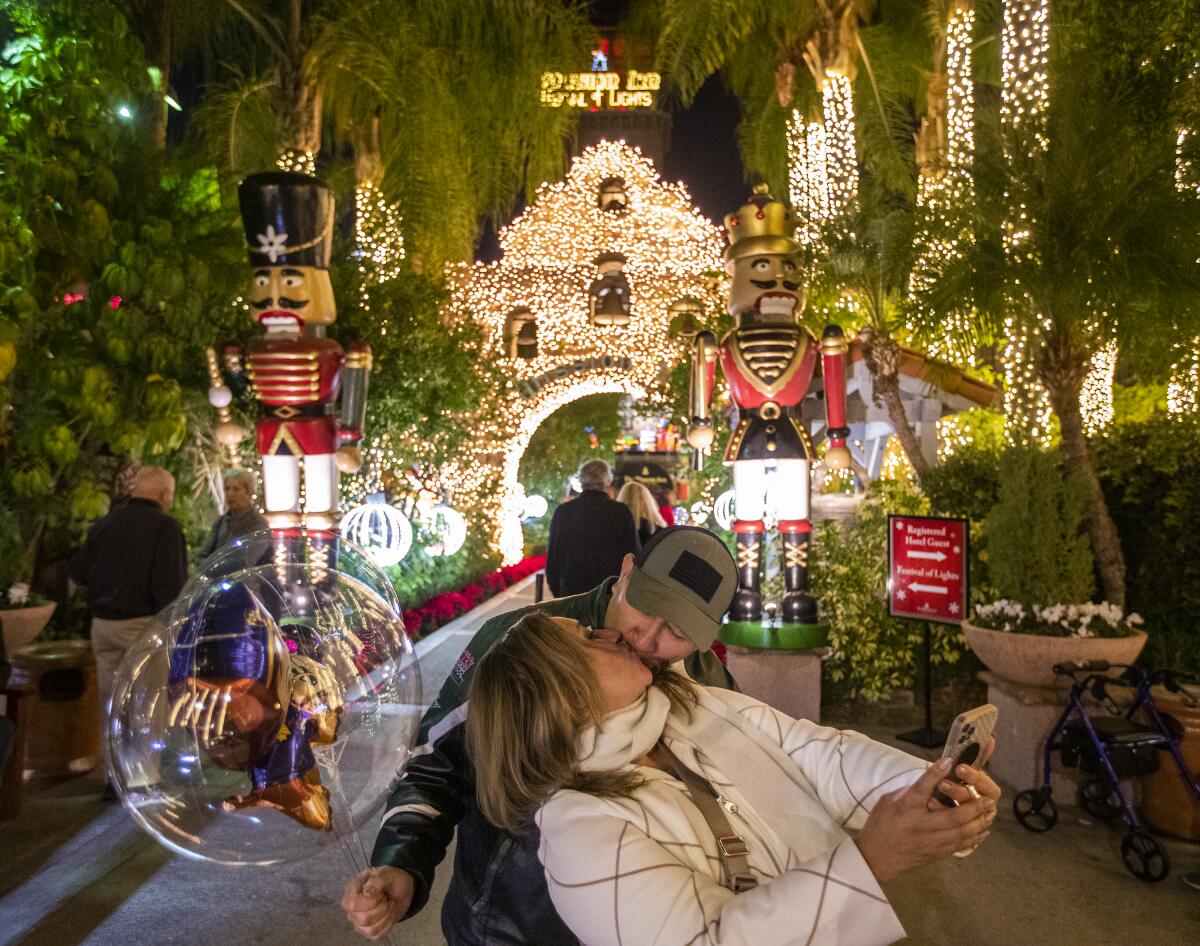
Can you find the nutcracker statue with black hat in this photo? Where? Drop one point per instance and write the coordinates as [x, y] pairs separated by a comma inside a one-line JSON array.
[[295, 372], [769, 360]]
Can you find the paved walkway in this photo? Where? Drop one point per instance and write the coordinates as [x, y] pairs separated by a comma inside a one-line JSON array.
[[76, 871]]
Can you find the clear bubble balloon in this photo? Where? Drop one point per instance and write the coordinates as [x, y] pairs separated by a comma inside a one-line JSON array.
[[266, 713], [296, 546]]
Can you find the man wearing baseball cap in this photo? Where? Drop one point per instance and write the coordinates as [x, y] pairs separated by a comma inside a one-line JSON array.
[[667, 604]]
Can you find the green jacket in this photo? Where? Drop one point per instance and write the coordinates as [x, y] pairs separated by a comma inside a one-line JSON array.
[[498, 892]]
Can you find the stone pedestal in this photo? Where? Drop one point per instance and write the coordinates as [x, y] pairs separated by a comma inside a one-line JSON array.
[[1027, 714], [789, 680]]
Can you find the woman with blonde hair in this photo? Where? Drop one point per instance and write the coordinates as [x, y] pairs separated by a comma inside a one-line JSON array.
[[640, 501], [672, 813]]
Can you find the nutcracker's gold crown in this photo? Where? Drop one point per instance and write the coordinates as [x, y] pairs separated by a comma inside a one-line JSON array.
[[761, 225]]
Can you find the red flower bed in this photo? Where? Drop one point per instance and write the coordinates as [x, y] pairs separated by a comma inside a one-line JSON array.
[[445, 607]]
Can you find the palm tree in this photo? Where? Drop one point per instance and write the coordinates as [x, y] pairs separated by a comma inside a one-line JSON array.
[[170, 31], [1105, 250], [438, 101], [866, 264]]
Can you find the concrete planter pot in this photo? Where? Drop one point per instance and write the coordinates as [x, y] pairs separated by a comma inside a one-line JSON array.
[[1030, 658], [22, 625]]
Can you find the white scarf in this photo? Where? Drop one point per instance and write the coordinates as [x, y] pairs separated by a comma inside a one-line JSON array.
[[771, 781]]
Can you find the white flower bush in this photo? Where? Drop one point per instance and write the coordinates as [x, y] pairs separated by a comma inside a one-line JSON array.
[[1058, 620], [18, 593]]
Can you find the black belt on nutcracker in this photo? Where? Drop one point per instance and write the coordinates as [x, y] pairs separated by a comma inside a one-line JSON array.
[[294, 411], [770, 431]]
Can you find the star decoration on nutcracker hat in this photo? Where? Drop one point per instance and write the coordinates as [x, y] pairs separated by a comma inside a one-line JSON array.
[[272, 243]]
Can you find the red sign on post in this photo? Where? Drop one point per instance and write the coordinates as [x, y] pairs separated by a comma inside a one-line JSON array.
[[927, 568]]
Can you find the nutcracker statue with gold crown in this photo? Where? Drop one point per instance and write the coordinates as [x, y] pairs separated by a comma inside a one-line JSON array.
[[296, 373], [769, 360]]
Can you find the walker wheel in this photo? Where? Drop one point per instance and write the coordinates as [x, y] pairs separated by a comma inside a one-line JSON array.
[[1100, 799], [1035, 809], [1144, 857]]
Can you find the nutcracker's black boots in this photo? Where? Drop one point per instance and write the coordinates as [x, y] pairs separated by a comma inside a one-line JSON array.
[[799, 607], [747, 603]]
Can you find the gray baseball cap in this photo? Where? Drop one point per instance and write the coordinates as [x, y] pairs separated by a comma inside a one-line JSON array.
[[684, 575]]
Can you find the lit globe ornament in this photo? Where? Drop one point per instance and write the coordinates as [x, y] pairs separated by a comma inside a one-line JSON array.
[[450, 529], [382, 530], [723, 509], [535, 507], [680, 515]]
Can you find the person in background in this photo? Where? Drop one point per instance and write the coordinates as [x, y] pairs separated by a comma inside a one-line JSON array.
[[646, 516], [666, 505], [241, 516], [134, 563], [589, 536]]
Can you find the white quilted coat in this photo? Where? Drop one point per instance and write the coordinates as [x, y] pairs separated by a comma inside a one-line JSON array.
[[644, 870]]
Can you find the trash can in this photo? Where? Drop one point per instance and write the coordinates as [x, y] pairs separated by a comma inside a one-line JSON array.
[[61, 716]]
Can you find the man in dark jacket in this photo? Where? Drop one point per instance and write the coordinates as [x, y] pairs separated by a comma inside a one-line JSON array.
[[589, 536], [134, 564], [667, 604]]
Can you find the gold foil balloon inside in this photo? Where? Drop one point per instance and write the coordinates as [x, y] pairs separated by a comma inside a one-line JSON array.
[[268, 709]]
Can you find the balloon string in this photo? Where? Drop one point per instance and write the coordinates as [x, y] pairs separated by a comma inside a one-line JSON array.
[[355, 851]]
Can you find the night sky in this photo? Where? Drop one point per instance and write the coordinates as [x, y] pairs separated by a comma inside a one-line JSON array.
[[704, 152]]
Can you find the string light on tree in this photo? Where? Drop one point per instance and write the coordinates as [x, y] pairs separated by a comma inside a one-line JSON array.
[[1183, 390], [945, 154], [1096, 396], [1024, 51], [808, 177], [895, 465], [302, 162], [841, 153], [377, 234]]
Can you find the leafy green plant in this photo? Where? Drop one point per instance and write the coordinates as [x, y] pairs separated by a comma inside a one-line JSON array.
[[1150, 472], [873, 653], [1037, 550], [116, 270]]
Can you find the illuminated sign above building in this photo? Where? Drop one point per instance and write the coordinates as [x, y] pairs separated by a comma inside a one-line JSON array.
[[598, 91]]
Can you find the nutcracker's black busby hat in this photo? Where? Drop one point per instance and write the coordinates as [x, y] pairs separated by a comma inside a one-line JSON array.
[[288, 218]]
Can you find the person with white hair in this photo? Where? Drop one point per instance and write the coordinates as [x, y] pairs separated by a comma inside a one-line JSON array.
[[241, 516], [134, 563], [589, 536]]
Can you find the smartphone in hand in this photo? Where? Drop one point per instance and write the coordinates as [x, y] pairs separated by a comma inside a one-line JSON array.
[[968, 736]]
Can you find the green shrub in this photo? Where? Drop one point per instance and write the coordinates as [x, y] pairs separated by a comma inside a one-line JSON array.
[[1037, 550], [1150, 473], [873, 653]]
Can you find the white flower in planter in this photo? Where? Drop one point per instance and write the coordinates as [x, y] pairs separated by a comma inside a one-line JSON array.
[[18, 593]]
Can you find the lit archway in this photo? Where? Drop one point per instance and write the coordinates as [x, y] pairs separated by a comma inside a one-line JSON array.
[[549, 400], [540, 309]]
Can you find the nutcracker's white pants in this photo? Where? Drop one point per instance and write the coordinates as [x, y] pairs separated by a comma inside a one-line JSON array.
[[281, 485], [778, 486]]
